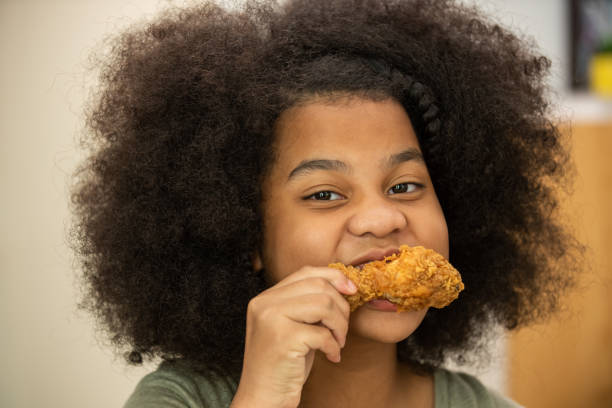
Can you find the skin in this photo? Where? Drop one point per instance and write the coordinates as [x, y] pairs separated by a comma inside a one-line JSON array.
[[348, 184]]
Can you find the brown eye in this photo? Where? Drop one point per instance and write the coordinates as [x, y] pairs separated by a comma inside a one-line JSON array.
[[404, 188], [324, 196]]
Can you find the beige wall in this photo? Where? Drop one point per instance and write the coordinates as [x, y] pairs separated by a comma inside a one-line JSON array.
[[49, 352]]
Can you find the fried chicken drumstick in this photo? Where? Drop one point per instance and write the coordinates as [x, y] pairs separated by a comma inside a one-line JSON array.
[[413, 279]]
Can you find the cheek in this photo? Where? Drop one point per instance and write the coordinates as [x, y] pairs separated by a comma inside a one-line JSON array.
[[434, 232], [293, 241], [441, 236]]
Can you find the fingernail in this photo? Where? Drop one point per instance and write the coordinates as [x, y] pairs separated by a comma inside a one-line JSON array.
[[351, 286]]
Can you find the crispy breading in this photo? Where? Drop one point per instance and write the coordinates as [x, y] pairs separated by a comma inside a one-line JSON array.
[[413, 279]]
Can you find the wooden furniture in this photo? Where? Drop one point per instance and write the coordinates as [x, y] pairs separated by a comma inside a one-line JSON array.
[[568, 362]]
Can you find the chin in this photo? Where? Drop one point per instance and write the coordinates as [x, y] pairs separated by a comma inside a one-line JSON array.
[[384, 327]]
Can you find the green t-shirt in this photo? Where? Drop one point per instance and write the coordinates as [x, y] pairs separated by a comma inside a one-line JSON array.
[[174, 385]]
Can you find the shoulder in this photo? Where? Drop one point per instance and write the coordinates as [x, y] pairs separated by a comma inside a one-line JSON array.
[[175, 385], [461, 390]]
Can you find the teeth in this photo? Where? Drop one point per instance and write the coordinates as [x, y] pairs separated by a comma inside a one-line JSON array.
[[391, 298]]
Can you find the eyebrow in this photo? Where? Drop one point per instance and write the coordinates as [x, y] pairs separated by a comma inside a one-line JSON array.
[[407, 155], [308, 166]]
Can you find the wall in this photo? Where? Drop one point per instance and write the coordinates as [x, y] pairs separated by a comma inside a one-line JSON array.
[[49, 353]]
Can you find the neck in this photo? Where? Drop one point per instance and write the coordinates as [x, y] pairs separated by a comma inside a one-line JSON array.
[[369, 375]]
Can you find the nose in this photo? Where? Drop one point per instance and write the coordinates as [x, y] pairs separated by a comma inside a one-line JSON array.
[[378, 216]]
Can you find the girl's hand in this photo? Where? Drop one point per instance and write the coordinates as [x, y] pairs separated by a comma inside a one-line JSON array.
[[285, 325]]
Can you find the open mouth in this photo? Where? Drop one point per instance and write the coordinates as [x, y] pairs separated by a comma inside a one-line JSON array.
[[382, 305]]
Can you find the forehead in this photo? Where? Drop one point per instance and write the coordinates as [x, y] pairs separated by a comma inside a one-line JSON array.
[[351, 128]]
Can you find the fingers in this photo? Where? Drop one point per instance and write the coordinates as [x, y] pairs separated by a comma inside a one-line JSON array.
[[336, 278], [319, 338], [316, 285], [306, 303], [319, 308], [304, 311]]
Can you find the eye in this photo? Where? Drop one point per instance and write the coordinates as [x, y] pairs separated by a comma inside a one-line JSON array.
[[324, 196], [404, 188]]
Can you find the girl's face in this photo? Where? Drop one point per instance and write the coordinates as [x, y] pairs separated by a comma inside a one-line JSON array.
[[349, 185]]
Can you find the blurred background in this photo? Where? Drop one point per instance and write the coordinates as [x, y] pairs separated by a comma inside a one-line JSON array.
[[53, 355]]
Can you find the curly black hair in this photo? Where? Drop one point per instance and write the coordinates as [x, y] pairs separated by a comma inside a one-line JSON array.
[[167, 205]]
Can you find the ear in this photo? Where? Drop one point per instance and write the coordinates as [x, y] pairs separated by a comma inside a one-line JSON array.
[[256, 260]]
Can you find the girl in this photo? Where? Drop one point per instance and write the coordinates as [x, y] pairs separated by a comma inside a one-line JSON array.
[[236, 153]]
